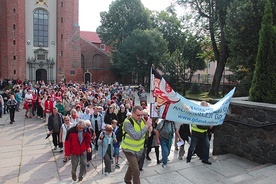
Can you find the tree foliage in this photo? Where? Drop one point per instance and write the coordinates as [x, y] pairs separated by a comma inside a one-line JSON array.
[[263, 88], [185, 60], [170, 26], [141, 50], [213, 13], [243, 24], [123, 17]]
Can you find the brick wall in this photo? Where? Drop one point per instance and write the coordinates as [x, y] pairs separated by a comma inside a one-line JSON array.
[[105, 74], [12, 32], [69, 52]]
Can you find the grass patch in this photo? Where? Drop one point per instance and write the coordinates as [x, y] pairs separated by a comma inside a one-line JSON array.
[[201, 96]]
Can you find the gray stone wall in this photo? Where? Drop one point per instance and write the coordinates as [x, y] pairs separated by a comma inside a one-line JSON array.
[[249, 131]]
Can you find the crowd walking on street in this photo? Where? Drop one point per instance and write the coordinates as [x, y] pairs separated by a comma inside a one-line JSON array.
[[85, 120]]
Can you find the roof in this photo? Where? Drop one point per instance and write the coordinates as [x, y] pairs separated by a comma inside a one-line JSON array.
[[93, 37]]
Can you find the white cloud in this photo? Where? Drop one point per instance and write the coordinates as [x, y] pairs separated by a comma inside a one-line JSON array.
[[89, 11]]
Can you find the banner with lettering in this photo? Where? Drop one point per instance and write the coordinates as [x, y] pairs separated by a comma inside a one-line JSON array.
[[167, 104]]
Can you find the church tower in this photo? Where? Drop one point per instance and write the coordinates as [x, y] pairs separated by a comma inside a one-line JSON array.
[[40, 40]]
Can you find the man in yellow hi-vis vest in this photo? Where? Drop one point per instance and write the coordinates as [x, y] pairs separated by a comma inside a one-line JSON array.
[[134, 133], [199, 133]]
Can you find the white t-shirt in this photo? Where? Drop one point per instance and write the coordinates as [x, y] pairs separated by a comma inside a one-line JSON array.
[[64, 128]]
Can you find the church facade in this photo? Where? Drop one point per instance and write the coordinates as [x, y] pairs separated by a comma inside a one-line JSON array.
[[41, 40]]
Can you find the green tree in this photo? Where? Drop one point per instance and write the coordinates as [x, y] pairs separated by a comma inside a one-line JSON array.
[[185, 60], [263, 88], [123, 17], [141, 50], [170, 27], [213, 15], [243, 24]]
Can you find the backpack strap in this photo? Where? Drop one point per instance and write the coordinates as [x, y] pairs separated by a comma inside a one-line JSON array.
[[132, 122]]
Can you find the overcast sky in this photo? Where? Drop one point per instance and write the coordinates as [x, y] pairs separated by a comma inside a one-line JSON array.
[[89, 11]]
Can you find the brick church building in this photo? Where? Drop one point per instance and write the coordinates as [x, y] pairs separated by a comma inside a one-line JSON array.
[[41, 40]]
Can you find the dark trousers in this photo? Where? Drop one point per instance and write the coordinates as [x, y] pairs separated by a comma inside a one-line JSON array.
[[205, 147], [141, 159], [12, 112], [107, 160], [89, 155], [56, 140]]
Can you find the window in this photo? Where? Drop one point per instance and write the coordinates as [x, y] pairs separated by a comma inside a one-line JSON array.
[[61, 36], [14, 42], [102, 46], [41, 29], [14, 57], [61, 4], [61, 19], [14, 27], [14, 10]]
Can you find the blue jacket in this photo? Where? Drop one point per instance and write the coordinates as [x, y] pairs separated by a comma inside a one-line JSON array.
[[103, 144]]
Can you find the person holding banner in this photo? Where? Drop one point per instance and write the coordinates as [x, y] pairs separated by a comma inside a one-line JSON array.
[[134, 131], [200, 134], [164, 135]]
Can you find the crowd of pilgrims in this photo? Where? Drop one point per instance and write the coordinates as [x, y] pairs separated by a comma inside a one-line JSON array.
[[98, 104]]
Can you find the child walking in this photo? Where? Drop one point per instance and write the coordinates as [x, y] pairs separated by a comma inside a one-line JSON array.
[[117, 144]]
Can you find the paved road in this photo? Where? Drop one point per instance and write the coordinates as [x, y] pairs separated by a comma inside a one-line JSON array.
[[27, 157]]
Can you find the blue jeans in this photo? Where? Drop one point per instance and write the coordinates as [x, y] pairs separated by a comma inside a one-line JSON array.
[[166, 145], [206, 147]]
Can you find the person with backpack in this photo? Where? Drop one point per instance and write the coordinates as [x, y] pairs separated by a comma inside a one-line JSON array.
[[134, 131], [106, 149], [164, 134]]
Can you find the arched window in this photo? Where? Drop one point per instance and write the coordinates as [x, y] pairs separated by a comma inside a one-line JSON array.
[[97, 62], [41, 28]]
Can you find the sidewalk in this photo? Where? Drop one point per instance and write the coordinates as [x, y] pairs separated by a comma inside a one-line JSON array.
[[27, 157]]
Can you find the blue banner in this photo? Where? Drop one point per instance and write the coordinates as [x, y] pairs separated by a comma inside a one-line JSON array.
[[167, 104]]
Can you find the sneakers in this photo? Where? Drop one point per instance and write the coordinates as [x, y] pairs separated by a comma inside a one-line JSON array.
[[74, 177], [206, 162], [106, 173], [180, 158], [158, 162], [65, 159], [117, 166], [60, 150], [55, 148], [148, 158], [188, 161], [164, 165], [80, 178], [87, 164]]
